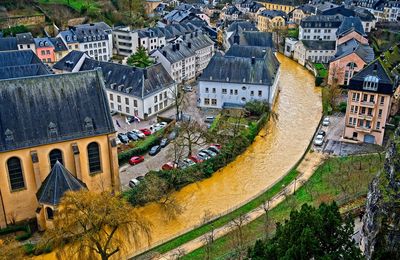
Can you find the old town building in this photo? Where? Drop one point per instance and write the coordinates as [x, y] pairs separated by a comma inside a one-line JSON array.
[[269, 20], [61, 118]]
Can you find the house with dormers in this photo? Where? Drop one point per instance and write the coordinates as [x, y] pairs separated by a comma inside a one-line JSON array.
[[64, 139]]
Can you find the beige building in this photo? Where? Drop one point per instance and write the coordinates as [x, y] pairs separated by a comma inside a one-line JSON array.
[[62, 118], [268, 21], [368, 104], [283, 5]]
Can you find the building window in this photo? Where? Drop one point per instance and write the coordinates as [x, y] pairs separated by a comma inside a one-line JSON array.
[[380, 113], [149, 110], [111, 97], [207, 90], [135, 103], [165, 94], [378, 125], [224, 91], [119, 108], [127, 110], [155, 108], [252, 93], [213, 102], [213, 90], [43, 52], [119, 99], [372, 99], [155, 99], [160, 96], [236, 91], [206, 101], [127, 101], [165, 103], [54, 156], [260, 93], [382, 100], [49, 213], [112, 105], [15, 173], [93, 150]]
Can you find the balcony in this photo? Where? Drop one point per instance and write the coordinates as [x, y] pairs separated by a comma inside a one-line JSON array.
[[365, 116], [367, 104], [364, 129]]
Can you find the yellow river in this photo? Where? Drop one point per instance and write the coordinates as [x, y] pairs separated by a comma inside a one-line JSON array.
[[273, 153]]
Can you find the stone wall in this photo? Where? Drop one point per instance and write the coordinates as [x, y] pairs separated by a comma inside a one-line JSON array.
[[21, 20]]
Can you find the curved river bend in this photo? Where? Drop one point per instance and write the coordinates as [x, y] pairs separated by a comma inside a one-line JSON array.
[[272, 154]]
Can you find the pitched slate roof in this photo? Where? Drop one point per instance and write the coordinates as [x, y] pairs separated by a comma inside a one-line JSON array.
[[8, 44], [130, 80], [24, 38], [252, 38], [43, 42], [307, 9], [69, 61], [52, 109], [247, 51], [87, 32], [322, 21], [364, 51], [286, 2], [242, 25], [242, 70], [58, 44], [59, 181], [17, 64], [350, 24], [273, 13], [319, 45], [351, 11], [374, 70]]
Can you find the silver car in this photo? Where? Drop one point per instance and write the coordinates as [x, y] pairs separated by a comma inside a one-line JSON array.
[[319, 140]]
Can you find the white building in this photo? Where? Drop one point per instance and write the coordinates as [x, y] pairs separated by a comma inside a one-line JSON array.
[[187, 57], [131, 91], [94, 39], [25, 41], [234, 79], [314, 51], [319, 27]]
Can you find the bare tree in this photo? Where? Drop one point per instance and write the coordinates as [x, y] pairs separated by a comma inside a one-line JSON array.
[[191, 133], [237, 225], [178, 97], [266, 207]]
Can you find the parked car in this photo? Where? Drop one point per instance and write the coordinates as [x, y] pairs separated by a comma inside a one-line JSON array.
[[187, 88], [123, 138], [319, 140], [321, 132], [203, 156], [214, 149], [189, 162], [210, 153], [169, 166], [140, 178], [156, 127], [217, 145], [138, 133], [145, 131], [195, 158], [132, 136], [182, 165], [326, 121], [136, 159], [118, 141], [133, 183], [163, 124], [209, 119], [173, 134], [164, 142], [155, 150]]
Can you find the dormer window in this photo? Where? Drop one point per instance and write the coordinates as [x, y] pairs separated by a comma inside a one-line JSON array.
[[9, 136], [88, 123], [52, 130], [371, 83]]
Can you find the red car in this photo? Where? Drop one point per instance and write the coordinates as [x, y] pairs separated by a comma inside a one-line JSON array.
[[217, 145], [195, 159], [145, 131], [136, 159], [169, 166]]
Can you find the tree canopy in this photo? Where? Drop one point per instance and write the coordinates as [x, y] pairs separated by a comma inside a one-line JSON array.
[[140, 58], [89, 224], [311, 233]]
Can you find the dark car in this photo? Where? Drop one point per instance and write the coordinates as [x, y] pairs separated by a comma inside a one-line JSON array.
[[132, 136], [123, 138], [213, 149], [164, 142], [155, 150], [203, 156]]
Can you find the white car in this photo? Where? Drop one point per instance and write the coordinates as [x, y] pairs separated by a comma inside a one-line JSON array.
[[319, 140], [138, 133], [326, 121], [133, 183]]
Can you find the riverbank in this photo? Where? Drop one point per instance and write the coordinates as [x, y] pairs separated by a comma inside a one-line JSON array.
[[334, 178]]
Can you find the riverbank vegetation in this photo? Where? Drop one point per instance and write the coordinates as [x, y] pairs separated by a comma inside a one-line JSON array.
[[340, 179]]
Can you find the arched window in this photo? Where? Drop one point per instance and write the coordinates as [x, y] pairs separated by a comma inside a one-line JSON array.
[[15, 173], [55, 155], [94, 157], [50, 213]]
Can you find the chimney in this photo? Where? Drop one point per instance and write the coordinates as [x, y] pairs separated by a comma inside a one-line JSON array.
[[189, 45], [253, 60]]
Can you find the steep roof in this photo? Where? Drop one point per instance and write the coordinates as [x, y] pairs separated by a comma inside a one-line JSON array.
[[319, 45], [247, 51], [69, 61], [364, 51], [242, 70], [374, 70], [52, 109], [8, 44], [286, 2], [253, 38], [350, 24], [307, 9], [43, 42], [242, 25], [59, 181], [17, 64], [24, 38], [323, 21], [273, 13]]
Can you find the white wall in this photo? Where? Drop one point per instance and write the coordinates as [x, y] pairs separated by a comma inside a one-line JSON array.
[[327, 34]]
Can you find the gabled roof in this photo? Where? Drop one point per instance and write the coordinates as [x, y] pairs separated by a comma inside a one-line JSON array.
[[243, 70], [376, 70], [59, 181], [248, 51], [364, 51], [242, 25], [323, 21], [319, 45], [43, 42], [8, 44], [24, 38], [273, 13], [307, 9], [58, 44], [350, 24], [69, 61], [253, 38], [52, 109], [286, 2], [18, 64]]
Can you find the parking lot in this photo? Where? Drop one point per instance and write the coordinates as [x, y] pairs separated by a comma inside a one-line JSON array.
[[334, 143]]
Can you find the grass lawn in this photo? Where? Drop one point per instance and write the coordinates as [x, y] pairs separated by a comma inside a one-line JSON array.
[[293, 33], [322, 71], [74, 4], [339, 178]]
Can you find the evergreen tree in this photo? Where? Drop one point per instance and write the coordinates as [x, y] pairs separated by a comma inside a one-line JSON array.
[[140, 59], [310, 234]]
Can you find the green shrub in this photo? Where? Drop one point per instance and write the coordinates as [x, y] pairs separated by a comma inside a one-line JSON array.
[[342, 107], [14, 30], [14, 228], [23, 236], [29, 248]]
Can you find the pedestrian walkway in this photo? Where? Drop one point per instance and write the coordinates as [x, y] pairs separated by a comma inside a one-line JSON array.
[[306, 169]]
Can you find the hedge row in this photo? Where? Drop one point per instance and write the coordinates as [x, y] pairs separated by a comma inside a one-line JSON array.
[[176, 179], [15, 228]]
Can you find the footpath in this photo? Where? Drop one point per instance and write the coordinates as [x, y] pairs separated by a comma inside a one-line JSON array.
[[306, 169]]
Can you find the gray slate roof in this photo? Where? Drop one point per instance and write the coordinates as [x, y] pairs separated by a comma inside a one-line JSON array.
[[241, 70], [307, 8], [365, 52], [286, 2], [52, 108], [248, 51], [87, 32], [252, 38], [17, 64], [59, 181], [69, 61], [319, 45], [8, 44], [350, 24], [273, 13], [242, 25], [25, 38]]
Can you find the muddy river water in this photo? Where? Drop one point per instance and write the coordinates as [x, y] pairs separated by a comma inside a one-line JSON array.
[[272, 154]]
